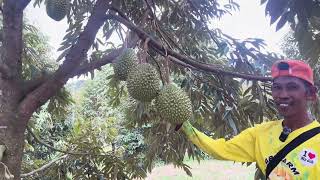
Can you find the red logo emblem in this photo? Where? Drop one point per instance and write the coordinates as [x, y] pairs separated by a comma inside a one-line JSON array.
[[311, 155]]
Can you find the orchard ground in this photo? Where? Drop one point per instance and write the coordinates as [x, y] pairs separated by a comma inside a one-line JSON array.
[[208, 169]]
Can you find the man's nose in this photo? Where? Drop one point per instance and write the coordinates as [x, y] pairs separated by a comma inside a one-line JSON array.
[[283, 94]]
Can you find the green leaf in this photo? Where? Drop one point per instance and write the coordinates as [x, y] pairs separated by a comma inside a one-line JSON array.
[[282, 21]]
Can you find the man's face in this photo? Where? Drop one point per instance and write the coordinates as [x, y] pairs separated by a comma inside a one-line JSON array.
[[290, 96]]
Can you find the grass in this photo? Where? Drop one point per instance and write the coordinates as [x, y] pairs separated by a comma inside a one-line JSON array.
[[208, 169]]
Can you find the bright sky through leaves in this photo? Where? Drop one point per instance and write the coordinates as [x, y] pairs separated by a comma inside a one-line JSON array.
[[249, 22]]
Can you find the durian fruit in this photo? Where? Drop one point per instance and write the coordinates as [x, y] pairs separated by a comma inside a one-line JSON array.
[[57, 9], [143, 82], [125, 62], [173, 104]]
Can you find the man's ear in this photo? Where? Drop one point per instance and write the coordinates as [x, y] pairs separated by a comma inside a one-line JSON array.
[[312, 93]]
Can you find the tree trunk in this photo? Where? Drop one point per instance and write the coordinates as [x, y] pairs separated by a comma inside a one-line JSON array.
[[12, 128]]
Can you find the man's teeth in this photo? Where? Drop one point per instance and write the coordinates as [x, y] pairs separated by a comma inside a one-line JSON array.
[[284, 105]]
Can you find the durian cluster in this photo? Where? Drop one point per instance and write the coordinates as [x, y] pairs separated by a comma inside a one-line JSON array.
[[143, 83], [57, 9]]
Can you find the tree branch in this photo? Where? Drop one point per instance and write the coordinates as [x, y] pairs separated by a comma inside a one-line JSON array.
[[22, 4], [203, 66], [96, 64], [30, 85], [132, 39], [5, 71], [2, 150], [38, 140], [46, 166], [177, 61], [73, 59]]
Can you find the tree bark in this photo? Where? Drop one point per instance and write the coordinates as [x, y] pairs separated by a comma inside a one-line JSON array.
[[12, 39], [11, 128]]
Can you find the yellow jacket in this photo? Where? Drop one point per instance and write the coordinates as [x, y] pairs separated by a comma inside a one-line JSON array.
[[259, 144]]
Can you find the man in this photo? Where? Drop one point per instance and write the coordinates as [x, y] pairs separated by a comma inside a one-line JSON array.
[[292, 88]]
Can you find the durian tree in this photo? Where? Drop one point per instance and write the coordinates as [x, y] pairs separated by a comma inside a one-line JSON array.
[[226, 79]]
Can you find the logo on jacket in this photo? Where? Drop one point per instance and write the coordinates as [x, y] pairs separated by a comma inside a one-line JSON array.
[[308, 157], [286, 163]]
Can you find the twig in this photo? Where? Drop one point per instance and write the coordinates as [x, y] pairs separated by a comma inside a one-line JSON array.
[[37, 139], [162, 33], [51, 147], [2, 150], [122, 14], [177, 61], [159, 69], [44, 167]]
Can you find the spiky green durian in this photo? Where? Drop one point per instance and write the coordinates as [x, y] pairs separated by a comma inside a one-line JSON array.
[[57, 9], [173, 104], [143, 82], [125, 62]]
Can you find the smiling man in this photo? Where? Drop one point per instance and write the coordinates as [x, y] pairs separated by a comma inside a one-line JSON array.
[[292, 89]]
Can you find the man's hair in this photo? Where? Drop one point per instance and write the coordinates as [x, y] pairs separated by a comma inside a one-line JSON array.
[[308, 86]]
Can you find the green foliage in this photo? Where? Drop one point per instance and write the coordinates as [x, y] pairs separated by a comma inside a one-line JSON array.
[[90, 135], [290, 48], [97, 96], [37, 59], [51, 130], [304, 20]]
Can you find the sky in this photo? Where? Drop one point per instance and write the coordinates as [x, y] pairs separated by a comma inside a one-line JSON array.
[[249, 22]]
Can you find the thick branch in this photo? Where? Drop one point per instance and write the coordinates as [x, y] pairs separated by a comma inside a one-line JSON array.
[[131, 39], [44, 167], [30, 85], [5, 71], [205, 67], [76, 54], [96, 64], [22, 4]]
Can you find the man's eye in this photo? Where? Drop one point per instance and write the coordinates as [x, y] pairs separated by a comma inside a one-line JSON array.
[[292, 87], [276, 87]]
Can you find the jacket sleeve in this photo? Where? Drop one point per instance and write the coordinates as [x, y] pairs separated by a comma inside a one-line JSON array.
[[241, 148]]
